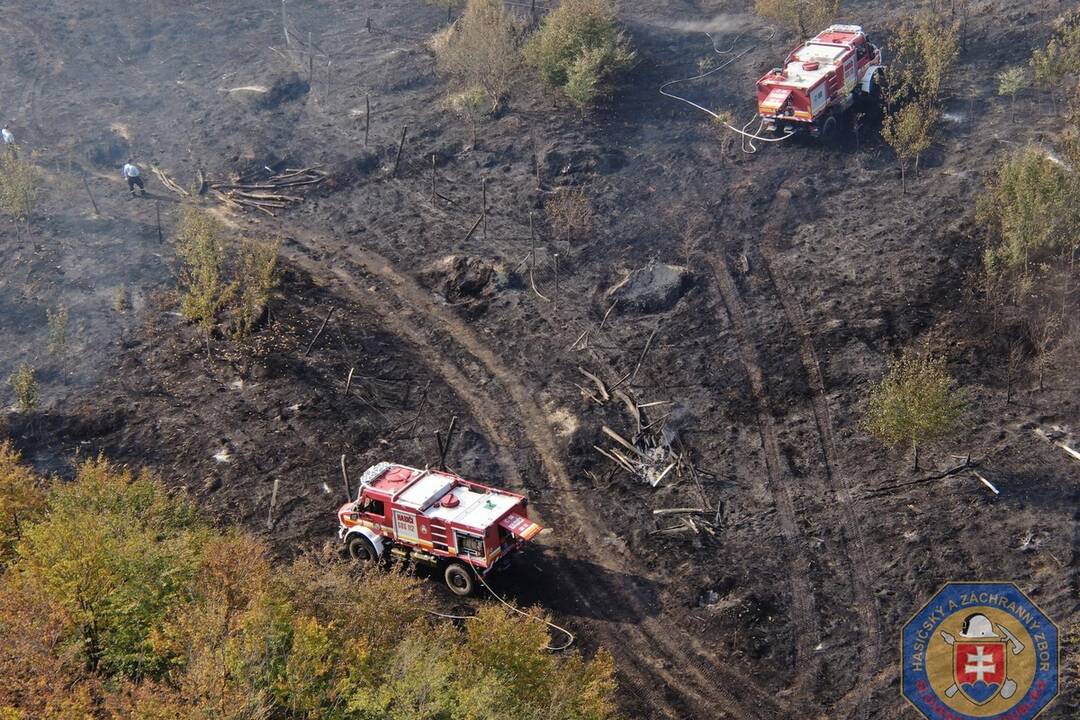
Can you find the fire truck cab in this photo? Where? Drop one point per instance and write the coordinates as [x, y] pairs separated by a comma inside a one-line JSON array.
[[435, 517], [820, 80]]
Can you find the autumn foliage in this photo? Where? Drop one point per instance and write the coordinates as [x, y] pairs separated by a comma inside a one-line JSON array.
[[118, 601]]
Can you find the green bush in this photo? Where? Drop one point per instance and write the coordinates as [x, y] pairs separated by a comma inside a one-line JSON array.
[[480, 51], [257, 278], [1031, 211], [579, 50], [1061, 57], [222, 279], [914, 403], [201, 247], [25, 386], [18, 187], [22, 500], [121, 603]]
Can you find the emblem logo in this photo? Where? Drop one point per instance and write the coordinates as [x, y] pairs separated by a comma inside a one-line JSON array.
[[980, 650]]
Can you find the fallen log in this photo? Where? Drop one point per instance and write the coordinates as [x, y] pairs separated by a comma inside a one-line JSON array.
[[676, 511], [597, 381]]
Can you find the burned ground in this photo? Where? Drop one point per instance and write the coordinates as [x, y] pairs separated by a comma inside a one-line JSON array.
[[806, 271]]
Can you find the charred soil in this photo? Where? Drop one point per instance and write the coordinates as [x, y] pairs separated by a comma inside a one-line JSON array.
[[777, 287]]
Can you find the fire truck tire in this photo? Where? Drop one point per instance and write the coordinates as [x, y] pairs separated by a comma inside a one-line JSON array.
[[459, 579], [828, 129], [360, 548]]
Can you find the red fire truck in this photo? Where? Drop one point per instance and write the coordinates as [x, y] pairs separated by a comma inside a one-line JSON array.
[[820, 80], [435, 517]]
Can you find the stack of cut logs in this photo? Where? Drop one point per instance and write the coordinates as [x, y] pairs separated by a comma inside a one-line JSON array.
[[266, 195], [273, 193]]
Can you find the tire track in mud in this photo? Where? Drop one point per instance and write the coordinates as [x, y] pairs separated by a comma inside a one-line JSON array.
[[803, 615], [837, 481], [862, 582], [705, 689]]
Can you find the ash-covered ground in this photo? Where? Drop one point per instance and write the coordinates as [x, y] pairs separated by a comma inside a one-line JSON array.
[[801, 272]]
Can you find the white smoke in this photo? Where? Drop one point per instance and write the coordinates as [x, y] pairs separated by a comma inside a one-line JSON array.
[[717, 25]]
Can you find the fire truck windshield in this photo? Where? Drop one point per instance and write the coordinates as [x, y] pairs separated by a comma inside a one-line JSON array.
[[373, 506]]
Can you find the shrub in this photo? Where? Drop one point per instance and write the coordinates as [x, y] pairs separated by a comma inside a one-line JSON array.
[[223, 279], [579, 50], [25, 385], [57, 330], [570, 213], [915, 402], [925, 49], [257, 279], [802, 16], [1011, 81], [469, 104], [1031, 210], [201, 247], [1061, 57], [480, 52], [909, 132], [18, 187]]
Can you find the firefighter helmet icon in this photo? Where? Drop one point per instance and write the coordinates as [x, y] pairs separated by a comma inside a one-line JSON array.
[[980, 650], [980, 664]]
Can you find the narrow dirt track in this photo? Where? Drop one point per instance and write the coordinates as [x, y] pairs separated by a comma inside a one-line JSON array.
[[803, 621], [836, 480], [861, 580], [703, 685]]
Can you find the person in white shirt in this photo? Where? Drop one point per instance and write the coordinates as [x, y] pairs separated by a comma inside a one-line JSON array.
[[9, 139], [132, 175]]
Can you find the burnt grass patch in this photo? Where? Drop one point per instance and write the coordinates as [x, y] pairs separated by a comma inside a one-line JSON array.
[[820, 244]]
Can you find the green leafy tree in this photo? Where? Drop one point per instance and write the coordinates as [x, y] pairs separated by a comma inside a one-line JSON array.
[[579, 50], [22, 500], [914, 403], [1031, 211], [1011, 81], [802, 16], [257, 278], [201, 247], [1061, 57], [480, 51], [924, 49], [115, 552], [120, 602], [909, 132]]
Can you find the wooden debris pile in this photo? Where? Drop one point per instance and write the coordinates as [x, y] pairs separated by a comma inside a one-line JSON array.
[[650, 460], [650, 454], [276, 192], [273, 193], [168, 182], [688, 520]]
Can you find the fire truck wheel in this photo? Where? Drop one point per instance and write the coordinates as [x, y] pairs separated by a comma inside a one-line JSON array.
[[459, 579], [360, 548], [828, 129]]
